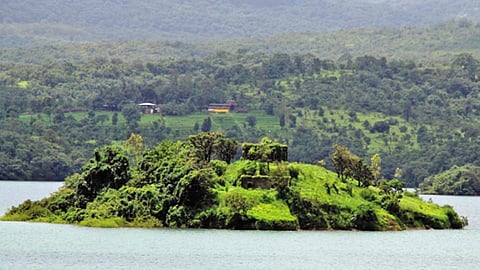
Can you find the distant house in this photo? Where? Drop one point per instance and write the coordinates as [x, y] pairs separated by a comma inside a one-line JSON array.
[[228, 106], [148, 108]]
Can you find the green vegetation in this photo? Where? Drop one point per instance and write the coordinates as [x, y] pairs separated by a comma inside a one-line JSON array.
[[464, 180], [405, 89], [191, 184], [420, 118]]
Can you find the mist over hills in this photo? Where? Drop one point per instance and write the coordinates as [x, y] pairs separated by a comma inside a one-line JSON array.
[[432, 43], [34, 23]]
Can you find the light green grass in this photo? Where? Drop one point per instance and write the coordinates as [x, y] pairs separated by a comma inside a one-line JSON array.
[[276, 211], [312, 187], [23, 84], [114, 222], [417, 205]]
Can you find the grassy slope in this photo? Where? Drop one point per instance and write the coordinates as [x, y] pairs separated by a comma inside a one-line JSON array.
[[183, 125], [264, 206], [420, 213]]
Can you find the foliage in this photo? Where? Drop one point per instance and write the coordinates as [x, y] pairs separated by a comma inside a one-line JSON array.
[[134, 146], [109, 169], [431, 108], [376, 162], [59, 102], [464, 180], [428, 215], [274, 216], [132, 116], [225, 149], [206, 124], [265, 151], [349, 165]]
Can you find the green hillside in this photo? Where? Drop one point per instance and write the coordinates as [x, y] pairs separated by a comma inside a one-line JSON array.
[[458, 180], [421, 117]]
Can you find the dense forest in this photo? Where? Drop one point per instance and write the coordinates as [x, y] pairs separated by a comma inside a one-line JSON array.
[[421, 118], [34, 23]]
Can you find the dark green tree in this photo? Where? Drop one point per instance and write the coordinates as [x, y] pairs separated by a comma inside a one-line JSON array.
[[132, 116], [281, 119], [225, 148], [251, 120], [467, 64], [203, 145], [115, 118], [109, 169], [207, 124]]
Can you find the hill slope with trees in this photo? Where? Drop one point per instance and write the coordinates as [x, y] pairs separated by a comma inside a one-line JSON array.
[[420, 118], [464, 180]]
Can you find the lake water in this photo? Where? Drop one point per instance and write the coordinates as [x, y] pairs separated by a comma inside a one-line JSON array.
[[50, 246]]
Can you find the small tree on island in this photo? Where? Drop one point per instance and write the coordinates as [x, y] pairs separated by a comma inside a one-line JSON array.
[[350, 165]]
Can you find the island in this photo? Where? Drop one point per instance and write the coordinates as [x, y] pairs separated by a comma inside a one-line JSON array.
[[201, 183]]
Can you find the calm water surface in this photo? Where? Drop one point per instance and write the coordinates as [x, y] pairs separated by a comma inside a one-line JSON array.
[[49, 246]]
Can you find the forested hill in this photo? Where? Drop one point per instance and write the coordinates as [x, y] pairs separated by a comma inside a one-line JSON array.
[[32, 23], [421, 118], [440, 42]]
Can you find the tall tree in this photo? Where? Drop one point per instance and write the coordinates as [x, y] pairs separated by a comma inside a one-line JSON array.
[[134, 146], [376, 162], [350, 165], [225, 148], [203, 144], [109, 169], [132, 116], [207, 124]]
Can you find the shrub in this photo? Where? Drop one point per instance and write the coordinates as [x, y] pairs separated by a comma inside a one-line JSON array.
[[176, 217], [219, 166], [114, 222], [365, 218], [456, 222], [248, 168], [380, 127], [368, 194], [294, 171], [74, 215], [274, 215], [28, 211]]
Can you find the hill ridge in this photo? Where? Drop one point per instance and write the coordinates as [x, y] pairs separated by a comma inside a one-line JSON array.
[[207, 20]]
